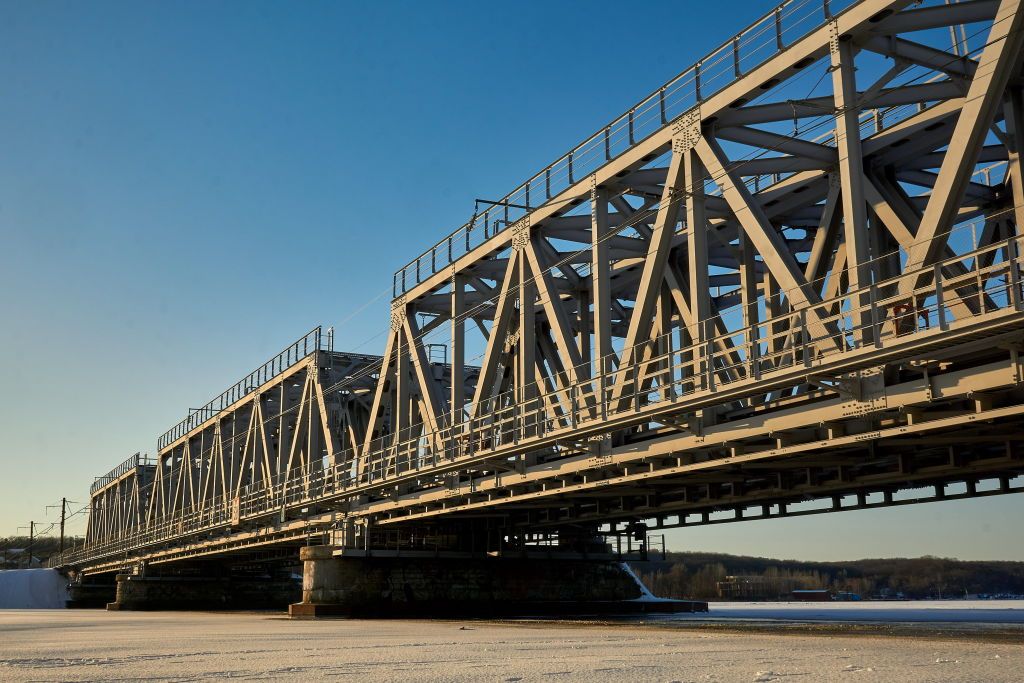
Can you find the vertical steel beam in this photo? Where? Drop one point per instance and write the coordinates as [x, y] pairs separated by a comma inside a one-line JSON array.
[[748, 281], [527, 357], [283, 411], [458, 349], [402, 406], [697, 239], [851, 174], [583, 331], [773, 311], [697, 260], [600, 284], [1014, 109], [749, 304]]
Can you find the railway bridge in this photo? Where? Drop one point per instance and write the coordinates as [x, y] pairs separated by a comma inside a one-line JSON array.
[[786, 282]]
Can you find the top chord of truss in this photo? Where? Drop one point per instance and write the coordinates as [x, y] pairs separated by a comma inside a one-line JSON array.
[[748, 49], [293, 353]]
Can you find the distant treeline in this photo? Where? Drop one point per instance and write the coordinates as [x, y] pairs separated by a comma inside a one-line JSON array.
[[42, 546], [719, 576]]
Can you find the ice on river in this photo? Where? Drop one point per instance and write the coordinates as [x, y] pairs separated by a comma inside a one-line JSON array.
[[916, 611], [87, 645]]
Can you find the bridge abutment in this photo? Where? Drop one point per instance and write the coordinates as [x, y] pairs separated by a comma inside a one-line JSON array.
[[362, 586]]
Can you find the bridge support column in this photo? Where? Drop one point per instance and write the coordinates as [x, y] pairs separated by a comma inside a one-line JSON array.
[[344, 585], [201, 593], [92, 594]]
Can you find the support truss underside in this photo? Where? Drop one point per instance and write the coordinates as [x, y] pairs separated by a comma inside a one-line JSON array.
[[804, 288]]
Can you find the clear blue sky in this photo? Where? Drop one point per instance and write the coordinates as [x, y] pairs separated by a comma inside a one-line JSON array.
[[187, 186]]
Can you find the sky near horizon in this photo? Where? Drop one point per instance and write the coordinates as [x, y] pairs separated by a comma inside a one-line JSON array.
[[186, 187]]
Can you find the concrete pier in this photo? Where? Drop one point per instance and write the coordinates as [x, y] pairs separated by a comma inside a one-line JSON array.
[[340, 585], [202, 593], [86, 595]]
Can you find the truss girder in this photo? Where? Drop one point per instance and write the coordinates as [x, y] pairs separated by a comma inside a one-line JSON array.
[[754, 283], [786, 219]]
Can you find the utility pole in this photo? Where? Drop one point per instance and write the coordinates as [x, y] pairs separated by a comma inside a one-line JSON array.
[[63, 513], [31, 538], [63, 518]]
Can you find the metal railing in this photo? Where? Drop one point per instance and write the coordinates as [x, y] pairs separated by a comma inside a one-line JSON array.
[[761, 41], [292, 354], [839, 334], [717, 361], [137, 460]]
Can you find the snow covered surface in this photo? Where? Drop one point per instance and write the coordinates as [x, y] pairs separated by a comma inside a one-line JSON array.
[[32, 589], [77, 645], [645, 594], [917, 611]]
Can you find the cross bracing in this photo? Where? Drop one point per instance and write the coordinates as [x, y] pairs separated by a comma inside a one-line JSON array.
[[792, 273]]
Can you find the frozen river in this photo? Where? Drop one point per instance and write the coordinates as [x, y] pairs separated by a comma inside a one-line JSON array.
[[77, 645], [913, 612]]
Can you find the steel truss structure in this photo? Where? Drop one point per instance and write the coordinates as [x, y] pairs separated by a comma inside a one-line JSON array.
[[791, 274], [285, 428], [119, 500]]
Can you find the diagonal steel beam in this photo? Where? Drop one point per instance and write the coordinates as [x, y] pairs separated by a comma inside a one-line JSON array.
[[429, 390], [768, 242], [379, 397], [554, 308], [778, 143], [821, 106], [653, 274], [998, 60], [498, 333], [964, 12], [923, 55]]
